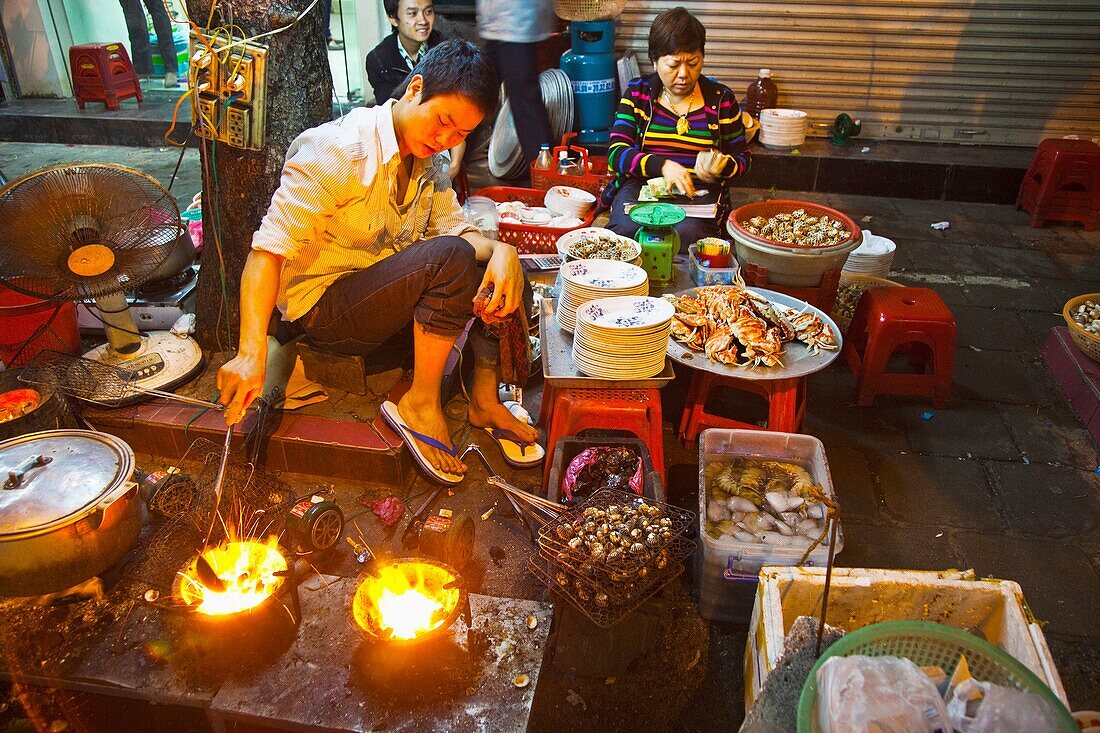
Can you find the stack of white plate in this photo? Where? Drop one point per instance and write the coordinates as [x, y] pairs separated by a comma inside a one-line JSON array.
[[624, 337], [505, 154], [585, 280], [569, 201], [872, 257], [782, 128]]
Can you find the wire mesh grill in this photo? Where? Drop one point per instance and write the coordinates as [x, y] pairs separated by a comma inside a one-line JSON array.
[[48, 214], [607, 555], [254, 504], [625, 587], [644, 534], [583, 594], [84, 379]]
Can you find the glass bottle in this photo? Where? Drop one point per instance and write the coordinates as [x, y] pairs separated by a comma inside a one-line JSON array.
[[762, 94]]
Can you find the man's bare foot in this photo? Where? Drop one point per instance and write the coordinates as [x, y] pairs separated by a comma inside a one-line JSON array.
[[492, 414], [427, 418]]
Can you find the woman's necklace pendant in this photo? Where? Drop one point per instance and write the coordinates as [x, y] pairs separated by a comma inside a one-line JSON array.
[[682, 125]]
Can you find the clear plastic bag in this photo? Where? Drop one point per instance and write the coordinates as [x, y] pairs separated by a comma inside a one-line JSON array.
[[860, 694], [983, 707]]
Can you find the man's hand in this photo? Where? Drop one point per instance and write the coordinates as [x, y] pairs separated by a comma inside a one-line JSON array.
[[506, 275], [240, 381], [678, 176]]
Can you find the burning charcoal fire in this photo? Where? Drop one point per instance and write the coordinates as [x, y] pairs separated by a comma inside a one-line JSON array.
[[233, 577], [407, 600]]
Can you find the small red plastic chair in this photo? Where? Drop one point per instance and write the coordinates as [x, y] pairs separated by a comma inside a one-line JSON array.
[[786, 400], [102, 72], [637, 411], [913, 320], [1062, 183]]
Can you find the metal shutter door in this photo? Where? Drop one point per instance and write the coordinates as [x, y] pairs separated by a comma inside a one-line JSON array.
[[994, 72]]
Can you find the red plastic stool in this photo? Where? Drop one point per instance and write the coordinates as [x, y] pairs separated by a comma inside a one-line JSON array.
[[102, 72], [635, 410], [822, 295], [889, 319], [786, 404], [1062, 183]]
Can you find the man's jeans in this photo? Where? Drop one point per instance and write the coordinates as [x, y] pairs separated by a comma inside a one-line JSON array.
[[432, 282]]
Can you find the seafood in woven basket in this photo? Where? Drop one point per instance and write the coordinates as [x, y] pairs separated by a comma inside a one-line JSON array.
[[1087, 315], [733, 325], [766, 501], [799, 228]]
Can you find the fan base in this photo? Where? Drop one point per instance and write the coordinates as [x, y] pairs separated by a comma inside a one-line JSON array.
[[163, 361]]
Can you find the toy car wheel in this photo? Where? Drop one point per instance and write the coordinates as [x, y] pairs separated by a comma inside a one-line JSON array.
[[325, 528]]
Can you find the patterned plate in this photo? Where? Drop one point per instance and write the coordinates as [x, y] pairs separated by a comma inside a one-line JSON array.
[[602, 274], [626, 313]]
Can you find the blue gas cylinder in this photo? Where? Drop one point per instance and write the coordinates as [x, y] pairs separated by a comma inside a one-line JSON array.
[[590, 66]]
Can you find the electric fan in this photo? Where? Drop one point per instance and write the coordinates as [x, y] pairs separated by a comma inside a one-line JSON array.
[[92, 231]]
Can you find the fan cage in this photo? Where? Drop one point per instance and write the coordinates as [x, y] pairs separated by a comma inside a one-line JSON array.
[[47, 214]]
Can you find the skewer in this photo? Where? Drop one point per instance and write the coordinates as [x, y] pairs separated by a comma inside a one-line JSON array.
[[218, 483]]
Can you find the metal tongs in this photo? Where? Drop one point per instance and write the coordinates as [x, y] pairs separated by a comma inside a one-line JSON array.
[[526, 505]]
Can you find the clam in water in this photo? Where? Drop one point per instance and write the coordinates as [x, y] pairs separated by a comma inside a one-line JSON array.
[[765, 501]]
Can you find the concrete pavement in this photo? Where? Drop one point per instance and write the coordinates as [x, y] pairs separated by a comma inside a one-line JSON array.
[[1005, 481]]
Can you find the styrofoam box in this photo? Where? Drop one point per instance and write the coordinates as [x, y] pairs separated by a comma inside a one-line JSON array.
[[725, 563], [858, 597]]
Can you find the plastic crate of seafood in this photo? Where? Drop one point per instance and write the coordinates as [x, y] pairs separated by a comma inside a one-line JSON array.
[[765, 498]]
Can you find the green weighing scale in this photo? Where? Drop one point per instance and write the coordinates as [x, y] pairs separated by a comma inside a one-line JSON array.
[[659, 239]]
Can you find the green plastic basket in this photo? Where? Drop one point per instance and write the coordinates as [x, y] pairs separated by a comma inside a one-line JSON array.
[[927, 644]]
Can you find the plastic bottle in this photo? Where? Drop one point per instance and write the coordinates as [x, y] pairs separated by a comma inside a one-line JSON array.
[[566, 166], [544, 161], [762, 94]]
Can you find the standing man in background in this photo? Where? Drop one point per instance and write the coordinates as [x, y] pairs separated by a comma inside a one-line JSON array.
[[511, 30], [138, 31]]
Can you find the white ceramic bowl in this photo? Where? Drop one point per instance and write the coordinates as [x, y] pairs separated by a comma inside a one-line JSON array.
[[568, 201]]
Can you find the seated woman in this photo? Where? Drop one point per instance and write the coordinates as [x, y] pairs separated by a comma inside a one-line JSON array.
[[665, 120]]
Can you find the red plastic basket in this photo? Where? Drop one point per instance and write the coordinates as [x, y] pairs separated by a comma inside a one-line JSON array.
[[593, 180], [768, 209], [529, 239]]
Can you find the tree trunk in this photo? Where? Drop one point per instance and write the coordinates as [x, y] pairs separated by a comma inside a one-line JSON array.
[[237, 184]]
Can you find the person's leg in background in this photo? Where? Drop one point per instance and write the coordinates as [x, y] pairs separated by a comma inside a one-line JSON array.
[[162, 24], [139, 37], [515, 65], [333, 44]]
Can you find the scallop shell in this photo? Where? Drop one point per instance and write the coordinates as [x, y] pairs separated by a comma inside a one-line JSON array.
[[521, 680]]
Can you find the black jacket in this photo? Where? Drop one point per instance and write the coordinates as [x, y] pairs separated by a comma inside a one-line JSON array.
[[387, 68]]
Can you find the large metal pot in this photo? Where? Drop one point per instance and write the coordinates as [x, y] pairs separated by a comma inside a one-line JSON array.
[[69, 509]]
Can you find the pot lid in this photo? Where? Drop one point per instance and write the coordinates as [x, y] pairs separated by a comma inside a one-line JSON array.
[[56, 477]]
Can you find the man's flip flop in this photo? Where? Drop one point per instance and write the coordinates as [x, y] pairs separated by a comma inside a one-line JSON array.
[[411, 438], [517, 453]]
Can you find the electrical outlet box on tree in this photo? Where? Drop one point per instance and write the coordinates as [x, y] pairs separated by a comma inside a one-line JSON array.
[[228, 76], [268, 82]]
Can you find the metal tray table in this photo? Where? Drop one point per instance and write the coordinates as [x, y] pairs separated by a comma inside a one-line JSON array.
[[559, 370]]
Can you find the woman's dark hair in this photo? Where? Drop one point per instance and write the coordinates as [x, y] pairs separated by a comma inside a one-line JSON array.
[[456, 67], [675, 31]]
